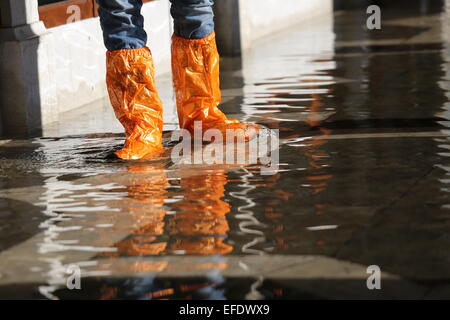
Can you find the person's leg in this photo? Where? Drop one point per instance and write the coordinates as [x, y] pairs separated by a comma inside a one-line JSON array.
[[122, 24], [195, 67], [193, 19], [130, 78]]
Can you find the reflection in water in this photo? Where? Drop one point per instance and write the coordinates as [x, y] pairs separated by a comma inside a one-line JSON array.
[[145, 194], [317, 181], [181, 216], [444, 83], [245, 213], [200, 225]]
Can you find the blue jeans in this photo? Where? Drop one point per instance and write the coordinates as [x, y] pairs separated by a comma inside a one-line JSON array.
[[123, 24]]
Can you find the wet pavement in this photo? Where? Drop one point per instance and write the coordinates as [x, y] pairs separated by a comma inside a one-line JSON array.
[[363, 180]]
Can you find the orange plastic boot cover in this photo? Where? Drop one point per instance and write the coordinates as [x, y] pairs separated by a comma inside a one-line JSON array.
[[195, 67], [132, 91]]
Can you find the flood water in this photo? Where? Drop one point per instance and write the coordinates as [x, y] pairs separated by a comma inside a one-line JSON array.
[[363, 180]]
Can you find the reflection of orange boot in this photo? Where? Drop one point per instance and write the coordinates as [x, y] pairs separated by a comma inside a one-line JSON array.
[[200, 225], [132, 91], [146, 194], [195, 66], [204, 246]]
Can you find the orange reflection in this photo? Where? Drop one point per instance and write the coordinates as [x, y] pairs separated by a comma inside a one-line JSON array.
[[147, 192], [201, 213], [316, 181], [199, 226]]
